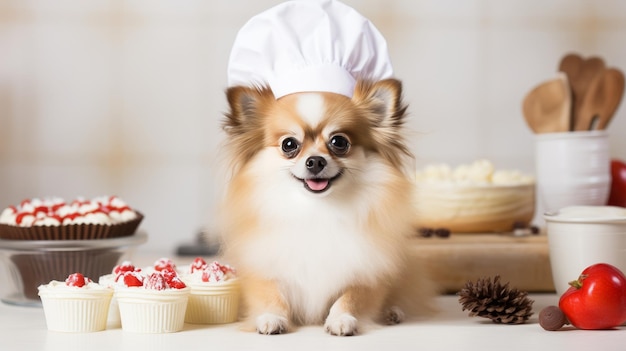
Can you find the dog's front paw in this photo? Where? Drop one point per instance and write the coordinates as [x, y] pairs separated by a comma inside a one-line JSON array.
[[393, 315], [269, 323], [342, 325]]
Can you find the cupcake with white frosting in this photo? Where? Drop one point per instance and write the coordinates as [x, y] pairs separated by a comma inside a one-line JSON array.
[[153, 303], [75, 305], [214, 295], [111, 280]]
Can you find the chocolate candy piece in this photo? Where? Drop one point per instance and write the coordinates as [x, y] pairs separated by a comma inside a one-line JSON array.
[[552, 318]]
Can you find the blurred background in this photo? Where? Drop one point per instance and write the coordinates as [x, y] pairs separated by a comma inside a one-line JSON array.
[[114, 97]]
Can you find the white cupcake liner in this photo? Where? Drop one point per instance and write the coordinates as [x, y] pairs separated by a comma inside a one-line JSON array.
[[113, 319], [84, 311], [152, 311], [214, 303]]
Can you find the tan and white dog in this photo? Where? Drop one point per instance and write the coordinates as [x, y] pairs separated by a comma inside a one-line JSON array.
[[318, 210]]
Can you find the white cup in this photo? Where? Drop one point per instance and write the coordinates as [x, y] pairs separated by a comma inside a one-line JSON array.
[[579, 236], [573, 168]]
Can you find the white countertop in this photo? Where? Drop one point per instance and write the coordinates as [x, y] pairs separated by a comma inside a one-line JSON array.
[[24, 328]]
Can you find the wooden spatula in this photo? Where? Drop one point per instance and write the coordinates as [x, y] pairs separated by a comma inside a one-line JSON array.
[[601, 101], [547, 106]]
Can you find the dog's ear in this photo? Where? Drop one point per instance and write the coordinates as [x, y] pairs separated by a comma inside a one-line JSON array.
[[385, 111], [383, 100], [244, 105], [244, 122]]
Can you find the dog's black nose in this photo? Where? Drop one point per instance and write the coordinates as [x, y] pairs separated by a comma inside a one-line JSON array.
[[315, 164]]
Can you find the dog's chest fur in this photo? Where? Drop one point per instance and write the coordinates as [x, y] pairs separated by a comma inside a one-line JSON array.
[[314, 253]]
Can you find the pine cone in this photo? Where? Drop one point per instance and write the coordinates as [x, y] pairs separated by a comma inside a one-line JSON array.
[[495, 301]]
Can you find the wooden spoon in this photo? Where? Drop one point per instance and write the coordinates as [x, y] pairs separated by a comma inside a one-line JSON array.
[[571, 65], [601, 101], [547, 106], [591, 68]]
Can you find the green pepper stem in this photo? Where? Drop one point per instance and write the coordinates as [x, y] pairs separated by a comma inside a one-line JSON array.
[[578, 283]]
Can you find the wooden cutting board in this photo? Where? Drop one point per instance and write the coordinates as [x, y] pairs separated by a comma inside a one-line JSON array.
[[522, 261]]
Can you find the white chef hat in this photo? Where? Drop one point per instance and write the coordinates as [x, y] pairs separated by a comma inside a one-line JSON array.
[[308, 45]]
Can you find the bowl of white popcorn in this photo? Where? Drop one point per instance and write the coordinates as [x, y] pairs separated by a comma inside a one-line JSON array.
[[473, 198]]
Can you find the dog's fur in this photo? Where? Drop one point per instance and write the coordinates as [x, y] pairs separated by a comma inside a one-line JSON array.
[[317, 210]]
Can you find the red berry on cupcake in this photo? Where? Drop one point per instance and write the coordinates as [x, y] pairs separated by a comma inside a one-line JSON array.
[[132, 279], [77, 280]]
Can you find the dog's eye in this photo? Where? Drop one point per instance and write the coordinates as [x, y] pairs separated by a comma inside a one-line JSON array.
[[290, 147], [339, 144]]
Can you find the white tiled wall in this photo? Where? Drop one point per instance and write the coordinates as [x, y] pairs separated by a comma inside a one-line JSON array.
[[125, 97]]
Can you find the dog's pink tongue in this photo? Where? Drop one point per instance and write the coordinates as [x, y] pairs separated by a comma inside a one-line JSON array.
[[317, 184]]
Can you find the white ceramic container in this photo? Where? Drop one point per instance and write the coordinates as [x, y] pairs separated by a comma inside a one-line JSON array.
[[572, 169], [579, 236]]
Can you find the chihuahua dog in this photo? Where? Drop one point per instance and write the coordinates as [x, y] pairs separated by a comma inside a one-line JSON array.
[[318, 208]]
